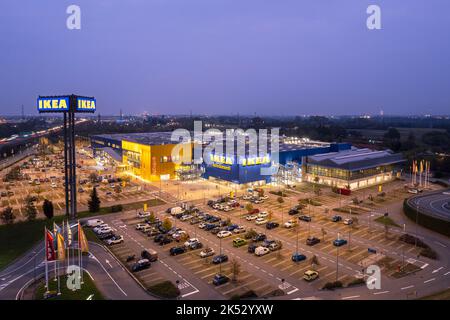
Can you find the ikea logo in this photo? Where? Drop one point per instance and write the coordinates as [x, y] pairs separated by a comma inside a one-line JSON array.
[[85, 104], [53, 104]]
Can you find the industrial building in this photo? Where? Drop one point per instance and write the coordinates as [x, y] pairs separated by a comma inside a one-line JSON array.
[[149, 156], [353, 169]]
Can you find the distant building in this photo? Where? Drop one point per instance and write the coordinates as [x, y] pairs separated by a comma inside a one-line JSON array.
[[354, 169]]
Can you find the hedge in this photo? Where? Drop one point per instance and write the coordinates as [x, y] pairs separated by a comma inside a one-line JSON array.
[[430, 222]]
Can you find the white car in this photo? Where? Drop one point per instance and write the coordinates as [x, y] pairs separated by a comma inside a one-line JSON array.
[[290, 224], [258, 201], [265, 197], [94, 223], [260, 221], [104, 230], [251, 217], [141, 226], [186, 217], [216, 206], [260, 251], [227, 208], [239, 229], [53, 185], [207, 252], [191, 242], [100, 226], [143, 214], [177, 235], [202, 225], [224, 234], [348, 221], [114, 240], [263, 214], [247, 197], [414, 191]]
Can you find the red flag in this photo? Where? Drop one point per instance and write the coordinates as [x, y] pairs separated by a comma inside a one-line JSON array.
[[50, 253]]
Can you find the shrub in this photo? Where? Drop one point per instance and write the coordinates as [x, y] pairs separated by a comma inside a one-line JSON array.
[[116, 208], [332, 285], [165, 289], [356, 282], [429, 253]]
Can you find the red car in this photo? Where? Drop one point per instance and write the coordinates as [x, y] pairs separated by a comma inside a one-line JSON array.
[[254, 211]]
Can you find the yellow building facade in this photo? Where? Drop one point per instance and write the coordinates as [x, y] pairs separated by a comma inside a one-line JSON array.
[[155, 162]]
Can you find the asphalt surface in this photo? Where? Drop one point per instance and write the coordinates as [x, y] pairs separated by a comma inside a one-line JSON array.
[[435, 204]]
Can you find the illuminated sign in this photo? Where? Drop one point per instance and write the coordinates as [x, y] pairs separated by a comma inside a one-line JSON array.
[[85, 104], [53, 104], [250, 161], [219, 166], [70, 103], [221, 159]]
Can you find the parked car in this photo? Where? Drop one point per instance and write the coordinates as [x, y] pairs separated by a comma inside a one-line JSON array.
[[348, 221], [224, 234], [259, 237], [272, 225], [140, 265], [310, 241], [251, 248], [207, 252], [177, 250], [114, 240], [292, 212], [310, 275], [143, 214], [305, 218], [290, 224], [251, 217], [190, 241], [150, 255], [274, 246], [238, 242], [339, 242], [220, 258], [140, 226], [297, 257], [165, 240], [239, 229], [263, 214], [261, 221], [336, 218], [231, 227], [260, 251], [220, 279]]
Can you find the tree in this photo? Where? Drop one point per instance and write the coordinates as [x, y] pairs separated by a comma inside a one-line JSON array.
[[261, 192], [30, 209], [7, 215], [235, 269], [94, 202], [249, 207], [392, 134], [117, 189], [324, 233], [47, 207], [280, 200], [152, 217], [167, 224], [93, 177], [314, 261]]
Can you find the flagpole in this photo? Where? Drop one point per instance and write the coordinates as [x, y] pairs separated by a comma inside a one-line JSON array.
[[59, 286], [46, 261]]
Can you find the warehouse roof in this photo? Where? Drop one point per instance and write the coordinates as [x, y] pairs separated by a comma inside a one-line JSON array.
[[356, 159]]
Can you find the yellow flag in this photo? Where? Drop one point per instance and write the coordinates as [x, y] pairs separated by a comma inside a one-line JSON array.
[[61, 247], [82, 241], [145, 207]]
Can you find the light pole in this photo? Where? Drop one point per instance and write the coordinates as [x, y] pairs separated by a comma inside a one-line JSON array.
[[417, 223], [337, 262], [220, 253]]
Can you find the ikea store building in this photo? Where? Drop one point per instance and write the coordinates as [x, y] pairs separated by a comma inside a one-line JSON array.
[[150, 156]]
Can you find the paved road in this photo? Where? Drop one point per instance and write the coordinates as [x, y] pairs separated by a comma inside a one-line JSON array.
[[433, 203], [111, 279]]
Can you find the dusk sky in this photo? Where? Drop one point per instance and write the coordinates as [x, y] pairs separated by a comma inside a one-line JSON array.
[[269, 57]]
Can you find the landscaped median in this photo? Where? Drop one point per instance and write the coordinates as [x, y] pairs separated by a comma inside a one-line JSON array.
[[88, 290], [427, 221], [17, 238]]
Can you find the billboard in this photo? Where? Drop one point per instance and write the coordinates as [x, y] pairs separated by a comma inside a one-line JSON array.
[[85, 104], [53, 104], [70, 103]]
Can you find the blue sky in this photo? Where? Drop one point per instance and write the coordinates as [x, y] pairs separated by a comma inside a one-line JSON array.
[[268, 57]]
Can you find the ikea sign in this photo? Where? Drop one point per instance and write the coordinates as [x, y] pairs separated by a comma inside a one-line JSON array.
[[69, 103], [53, 104], [85, 104]]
